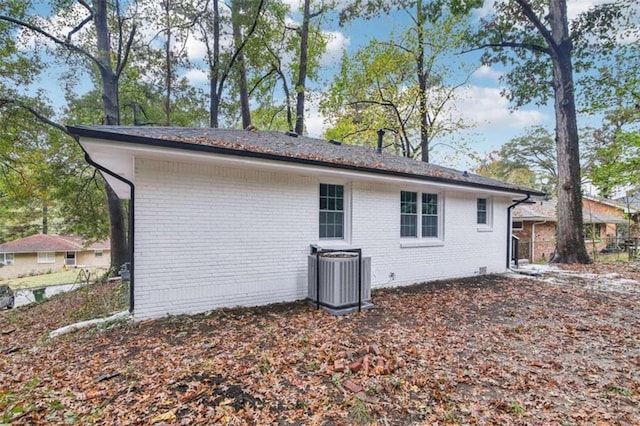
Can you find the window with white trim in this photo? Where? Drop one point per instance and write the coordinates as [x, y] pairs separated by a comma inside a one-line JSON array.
[[98, 253], [46, 257], [484, 210], [6, 258], [517, 225], [332, 211], [425, 222]]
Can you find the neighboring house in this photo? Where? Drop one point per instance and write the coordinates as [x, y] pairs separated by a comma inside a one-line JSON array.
[[228, 217], [535, 226], [631, 203], [44, 252]]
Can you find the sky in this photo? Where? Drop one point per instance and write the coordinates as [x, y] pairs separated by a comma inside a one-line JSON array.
[[479, 102]]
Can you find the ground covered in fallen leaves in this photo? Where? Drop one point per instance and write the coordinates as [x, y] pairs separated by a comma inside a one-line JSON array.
[[562, 348]]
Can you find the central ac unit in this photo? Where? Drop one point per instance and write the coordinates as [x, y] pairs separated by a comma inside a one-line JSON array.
[[339, 279]]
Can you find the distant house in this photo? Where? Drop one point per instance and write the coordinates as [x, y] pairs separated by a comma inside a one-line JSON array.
[[535, 226], [229, 217], [632, 204], [43, 252]]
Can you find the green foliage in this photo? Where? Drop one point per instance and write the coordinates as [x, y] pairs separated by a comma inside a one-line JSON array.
[[534, 151], [494, 166], [270, 71], [403, 86], [530, 159], [618, 162], [434, 9], [516, 43]]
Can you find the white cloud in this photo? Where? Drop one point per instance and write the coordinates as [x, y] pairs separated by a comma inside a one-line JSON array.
[[314, 121], [487, 108], [482, 107], [293, 4], [486, 71], [195, 48], [196, 77], [336, 44], [574, 7]]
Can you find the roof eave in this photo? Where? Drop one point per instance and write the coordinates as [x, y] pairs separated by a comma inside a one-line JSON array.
[[163, 143]]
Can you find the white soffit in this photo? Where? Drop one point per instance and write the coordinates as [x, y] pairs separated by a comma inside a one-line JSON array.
[[118, 162]]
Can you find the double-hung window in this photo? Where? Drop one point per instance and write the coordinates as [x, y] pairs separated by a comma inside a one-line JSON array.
[[482, 211], [420, 215], [408, 214], [6, 258], [332, 211], [46, 257], [484, 214]]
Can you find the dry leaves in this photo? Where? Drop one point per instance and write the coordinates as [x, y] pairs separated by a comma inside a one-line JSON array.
[[485, 350]]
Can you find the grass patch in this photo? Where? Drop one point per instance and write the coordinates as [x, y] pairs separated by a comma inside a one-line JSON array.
[[619, 257], [56, 278]]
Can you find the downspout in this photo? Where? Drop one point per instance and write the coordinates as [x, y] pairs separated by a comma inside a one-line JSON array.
[[524, 200], [131, 219]]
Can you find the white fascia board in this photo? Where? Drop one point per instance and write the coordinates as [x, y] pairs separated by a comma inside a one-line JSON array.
[[120, 157]]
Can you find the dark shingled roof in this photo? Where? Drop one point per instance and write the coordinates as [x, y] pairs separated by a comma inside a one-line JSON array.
[[280, 146]]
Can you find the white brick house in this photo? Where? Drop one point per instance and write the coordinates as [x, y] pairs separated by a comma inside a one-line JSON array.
[[226, 217]]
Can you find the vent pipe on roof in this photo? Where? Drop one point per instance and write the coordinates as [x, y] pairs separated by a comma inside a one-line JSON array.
[[380, 136]]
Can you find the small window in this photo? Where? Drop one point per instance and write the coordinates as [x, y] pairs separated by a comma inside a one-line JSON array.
[[517, 225], [70, 258], [331, 211], [98, 253], [483, 211], [6, 258], [427, 220], [46, 257]]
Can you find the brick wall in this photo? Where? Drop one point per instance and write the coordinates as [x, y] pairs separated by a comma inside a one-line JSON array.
[[210, 236]]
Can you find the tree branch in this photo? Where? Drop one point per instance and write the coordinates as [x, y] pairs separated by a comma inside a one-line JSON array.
[[369, 102], [318, 13], [127, 50], [37, 114], [509, 44], [52, 38], [240, 48], [79, 27], [533, 18]]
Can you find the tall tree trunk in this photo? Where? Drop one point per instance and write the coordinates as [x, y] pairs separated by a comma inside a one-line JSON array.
[[109, 79], [570, 247], [214, 69], [168, 63], [302, 67], [45, 218], [242, 68], [422, 83]]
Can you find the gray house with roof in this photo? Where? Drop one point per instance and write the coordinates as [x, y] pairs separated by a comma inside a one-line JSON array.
[[227, 217]]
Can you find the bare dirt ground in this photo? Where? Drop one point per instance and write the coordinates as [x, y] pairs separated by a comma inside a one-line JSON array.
[[561, 348]]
